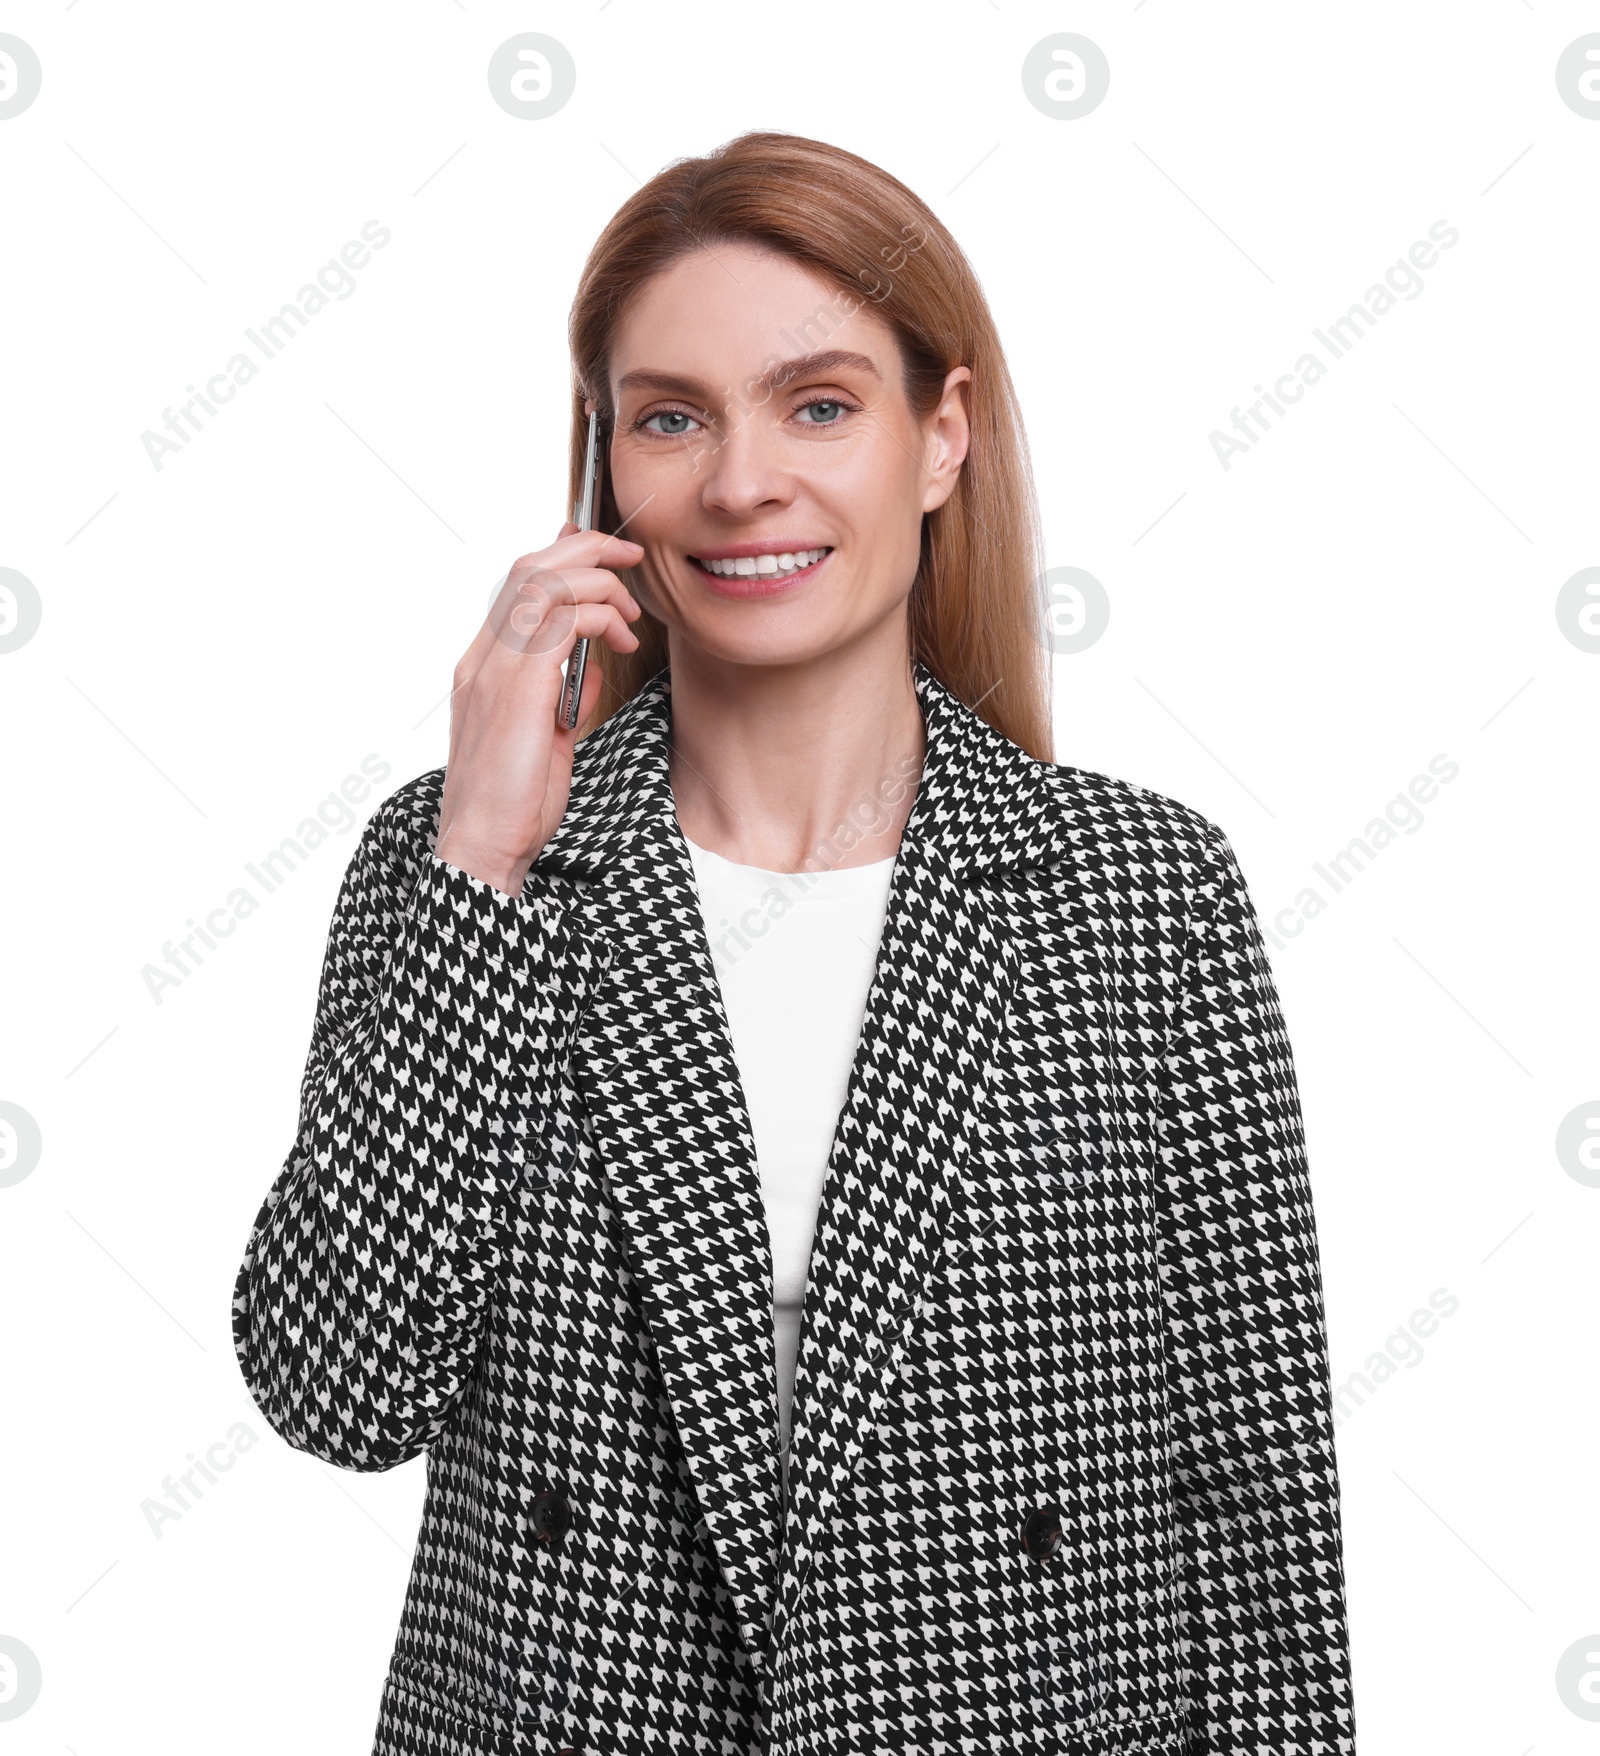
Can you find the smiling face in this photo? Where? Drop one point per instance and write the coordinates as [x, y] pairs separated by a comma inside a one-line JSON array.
[[779, 504]]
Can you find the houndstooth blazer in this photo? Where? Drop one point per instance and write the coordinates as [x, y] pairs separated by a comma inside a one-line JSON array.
[[1062, 1465]]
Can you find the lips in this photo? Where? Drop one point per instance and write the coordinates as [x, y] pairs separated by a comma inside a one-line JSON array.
[[761, 573], [767, 559]]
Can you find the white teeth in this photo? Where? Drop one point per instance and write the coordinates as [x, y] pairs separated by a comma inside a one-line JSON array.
[[765, 564]]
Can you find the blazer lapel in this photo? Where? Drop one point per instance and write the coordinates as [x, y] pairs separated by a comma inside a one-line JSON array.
[[654, 1061], [938, 1005]]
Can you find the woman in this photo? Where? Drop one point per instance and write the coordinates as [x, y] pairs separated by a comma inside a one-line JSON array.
[[1052, 1467]]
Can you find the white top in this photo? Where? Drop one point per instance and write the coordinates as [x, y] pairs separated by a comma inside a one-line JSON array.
[[794, 954]]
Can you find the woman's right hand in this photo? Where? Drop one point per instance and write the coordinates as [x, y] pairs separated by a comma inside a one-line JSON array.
[[510, 765]]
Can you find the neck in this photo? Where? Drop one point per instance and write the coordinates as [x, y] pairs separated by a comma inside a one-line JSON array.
[[802, 767]]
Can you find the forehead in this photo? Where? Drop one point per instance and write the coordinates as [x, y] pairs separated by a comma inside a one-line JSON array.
[[724, 316]]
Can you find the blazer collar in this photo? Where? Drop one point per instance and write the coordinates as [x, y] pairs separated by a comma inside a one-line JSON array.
[[653, 1059], [982, 805]]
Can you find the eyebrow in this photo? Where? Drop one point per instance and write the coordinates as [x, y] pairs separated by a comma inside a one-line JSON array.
[[678, 384]]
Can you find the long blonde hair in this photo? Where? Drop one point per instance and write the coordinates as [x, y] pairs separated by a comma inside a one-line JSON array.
[[975, 613]]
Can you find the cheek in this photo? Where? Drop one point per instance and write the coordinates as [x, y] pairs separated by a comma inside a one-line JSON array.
[[665, 479], [625, 478], [894, 531], [659, 459], [893, 477]]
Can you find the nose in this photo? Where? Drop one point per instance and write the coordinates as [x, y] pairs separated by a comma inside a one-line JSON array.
[[743, 474]]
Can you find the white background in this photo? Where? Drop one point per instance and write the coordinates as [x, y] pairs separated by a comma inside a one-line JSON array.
[[1292, 639]]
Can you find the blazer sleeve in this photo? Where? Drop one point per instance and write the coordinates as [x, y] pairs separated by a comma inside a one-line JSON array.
[[357, 1309], [1262, 1574]]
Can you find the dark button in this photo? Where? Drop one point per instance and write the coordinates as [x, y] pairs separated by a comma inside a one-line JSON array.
[[549, 1515], [1041, 1532]]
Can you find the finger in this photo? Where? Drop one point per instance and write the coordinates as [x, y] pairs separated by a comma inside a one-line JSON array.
[[583, 548], [578, 550], [552, 639], [524, 601], [520, 616]]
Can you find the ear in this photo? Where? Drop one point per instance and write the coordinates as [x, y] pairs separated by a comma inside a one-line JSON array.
[[949, 433]]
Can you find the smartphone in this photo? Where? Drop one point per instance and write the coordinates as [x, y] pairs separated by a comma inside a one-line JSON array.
[[583, 514]]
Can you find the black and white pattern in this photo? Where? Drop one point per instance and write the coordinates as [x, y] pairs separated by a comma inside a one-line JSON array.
[[1065, 1282]]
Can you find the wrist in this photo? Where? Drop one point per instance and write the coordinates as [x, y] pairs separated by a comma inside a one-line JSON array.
[[496, 869]]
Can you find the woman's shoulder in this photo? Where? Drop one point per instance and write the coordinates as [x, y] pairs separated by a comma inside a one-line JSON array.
[[1139, 857], [411, 812], [1094, 808], [399, 834]]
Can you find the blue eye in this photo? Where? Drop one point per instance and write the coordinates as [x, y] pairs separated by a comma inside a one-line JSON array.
[[668, 415], [840, 407]]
